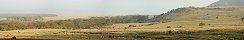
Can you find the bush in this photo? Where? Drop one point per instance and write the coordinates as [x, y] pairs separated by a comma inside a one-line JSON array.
[[130, 25], [168, 26], [202, 24], [180, 27]]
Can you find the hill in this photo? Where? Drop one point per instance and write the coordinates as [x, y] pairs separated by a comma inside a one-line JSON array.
[[27, 15], [191, 13], [228, 3]]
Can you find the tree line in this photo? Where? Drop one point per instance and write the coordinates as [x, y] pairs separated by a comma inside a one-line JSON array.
[[55, 24], [18, 23]]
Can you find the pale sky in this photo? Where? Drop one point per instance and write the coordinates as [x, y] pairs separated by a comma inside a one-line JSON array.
[[97, 7]]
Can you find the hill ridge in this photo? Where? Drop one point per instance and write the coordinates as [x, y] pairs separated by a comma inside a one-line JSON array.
[[228, 3]]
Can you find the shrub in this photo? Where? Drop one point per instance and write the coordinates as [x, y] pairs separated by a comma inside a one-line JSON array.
[[130, 25], [202, 24], [168, 26]]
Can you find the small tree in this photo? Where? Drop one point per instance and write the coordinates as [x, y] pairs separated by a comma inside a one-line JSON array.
[[168, 26], [180, 26], [169, 32], [242, 19], [201, 24], [130, 25], [217, 17]]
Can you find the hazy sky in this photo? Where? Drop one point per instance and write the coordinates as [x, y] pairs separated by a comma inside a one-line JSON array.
[[97, 7]]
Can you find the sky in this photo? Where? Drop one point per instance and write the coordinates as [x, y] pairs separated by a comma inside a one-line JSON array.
[[96, 7]]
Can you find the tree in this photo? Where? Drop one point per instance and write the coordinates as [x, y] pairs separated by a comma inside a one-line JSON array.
[[201, 24], [242, 19]]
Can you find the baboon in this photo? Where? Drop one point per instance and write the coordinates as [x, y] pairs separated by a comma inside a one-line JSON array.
[[181, 33], [190, 32], [14, 37], [177, 32], [143, 37], [111, 36], [169, 32], [242, 19]]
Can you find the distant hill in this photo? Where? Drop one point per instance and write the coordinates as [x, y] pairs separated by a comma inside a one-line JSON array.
[[222, 9], [228, 3], [184, 14], [27, 15], [64, 18], [191, 13]]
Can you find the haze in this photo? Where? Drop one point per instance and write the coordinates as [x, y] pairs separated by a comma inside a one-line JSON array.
[[96, 7]]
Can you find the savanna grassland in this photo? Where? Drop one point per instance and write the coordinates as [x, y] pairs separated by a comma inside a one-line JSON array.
[[179, 24]]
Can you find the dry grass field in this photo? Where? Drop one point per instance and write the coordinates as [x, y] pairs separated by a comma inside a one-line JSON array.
[[184, 24], [138, 31], [218, 29]]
